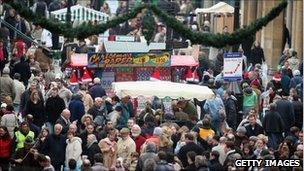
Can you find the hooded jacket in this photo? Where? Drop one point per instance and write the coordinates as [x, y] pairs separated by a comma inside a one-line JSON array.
[[73, 150], [76, 107]]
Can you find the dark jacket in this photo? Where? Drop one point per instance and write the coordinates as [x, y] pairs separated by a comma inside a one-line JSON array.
[[55, 148], [163, 166], [23, 68], [76, 108], [295, 81], [97, 91], [95, 111], [182, 154], [298, 112], [65, 125], [12, 21], [91, 151], [285, 81], [54, 106], [286, 111], [256, 56], [25, 97], [38, 112], [215, 165], [254, 132], [231, 112], [299, 89], [273, 123]]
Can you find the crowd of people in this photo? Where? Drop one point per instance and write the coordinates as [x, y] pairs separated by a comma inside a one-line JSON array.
[[49, 124]]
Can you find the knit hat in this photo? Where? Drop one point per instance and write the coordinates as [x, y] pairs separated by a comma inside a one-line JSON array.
[[158, 131], [296, 73], [255, 83], [86, 75], [118, 108], [6, 70], [277, 77], [73, 78], [241, 130]]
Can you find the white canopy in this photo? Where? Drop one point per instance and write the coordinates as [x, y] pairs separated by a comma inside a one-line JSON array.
[[80, 13], [220, 7], [161, 89]]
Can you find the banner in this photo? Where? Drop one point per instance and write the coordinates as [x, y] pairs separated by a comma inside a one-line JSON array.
[[118, 59], [79, 59], [95, 60], [233, 69]]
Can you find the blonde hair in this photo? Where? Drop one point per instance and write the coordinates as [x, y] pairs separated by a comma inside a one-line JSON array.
[[32, 95]]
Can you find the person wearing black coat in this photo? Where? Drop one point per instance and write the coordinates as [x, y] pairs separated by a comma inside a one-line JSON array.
[[298, 111], [190, 146], [273, 126], [64, 121], [215, 164], [54, 106], [253, 129], [231, 110], [76, 107], [23, 68], [36, 108], [54, 147], [10, 19], [286, 111], [91, 148], [257, 54]]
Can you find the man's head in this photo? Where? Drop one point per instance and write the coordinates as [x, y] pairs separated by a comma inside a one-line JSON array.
[[96, 80], [57, 129], [91, 138], [130, 123], [124, 133], [24, 127], [252, 119], [98, 158], [98, 102], [54, 92], [215, 155], [189, 137], [135, 130], [66, 114], [111, 134]]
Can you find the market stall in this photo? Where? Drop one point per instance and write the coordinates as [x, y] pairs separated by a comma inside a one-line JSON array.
[[181, 65]]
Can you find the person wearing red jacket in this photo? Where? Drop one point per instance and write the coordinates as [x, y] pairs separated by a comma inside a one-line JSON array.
[[138, 139], [5, 148]]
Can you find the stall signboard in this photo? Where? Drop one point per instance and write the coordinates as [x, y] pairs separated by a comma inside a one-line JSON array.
[[151, 59], [79, 59], [97, 60], [233, 69]]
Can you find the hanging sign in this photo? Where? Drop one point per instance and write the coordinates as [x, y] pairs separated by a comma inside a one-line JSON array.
[[233, 69], [150, 59], [79, 59], [95, 60]]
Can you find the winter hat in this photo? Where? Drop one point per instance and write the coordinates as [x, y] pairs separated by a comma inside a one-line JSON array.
[[255, 83], [248, 90], [241, 130], [155, 75], [86, 76], [296, 73], [158, 131], [3, 105], [73, 78], [277, 77], [6, 70]]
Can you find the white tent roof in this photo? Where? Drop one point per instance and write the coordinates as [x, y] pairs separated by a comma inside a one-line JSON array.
[[80, 13], [220, 7], [161, 89], [132, 47]]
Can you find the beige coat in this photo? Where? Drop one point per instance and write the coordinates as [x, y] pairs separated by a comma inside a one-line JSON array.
[[6, 87], [11, 122], [125, 148], [73, 150], [109, 151]]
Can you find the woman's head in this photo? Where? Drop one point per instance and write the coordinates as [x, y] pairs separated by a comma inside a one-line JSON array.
[[44, 132], [35, 96], [4, 133], [70, 135]]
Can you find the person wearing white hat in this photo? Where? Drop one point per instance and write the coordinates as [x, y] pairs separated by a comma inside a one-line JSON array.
[[296, 79], [6, 85]]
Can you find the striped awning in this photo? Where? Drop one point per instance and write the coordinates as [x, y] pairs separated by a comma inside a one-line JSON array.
[[80, 13]]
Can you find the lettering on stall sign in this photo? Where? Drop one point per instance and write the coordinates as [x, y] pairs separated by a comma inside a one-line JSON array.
[[118, 58]]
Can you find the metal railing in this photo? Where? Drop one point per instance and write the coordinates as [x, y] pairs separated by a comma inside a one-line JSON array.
[[18, 32]]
